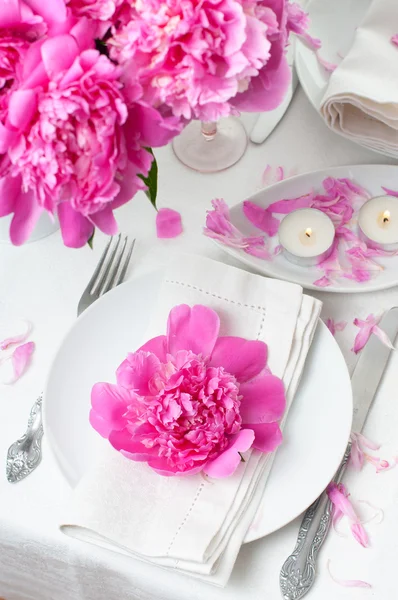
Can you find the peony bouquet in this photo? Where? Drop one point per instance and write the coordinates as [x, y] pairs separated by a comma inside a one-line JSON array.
[[88, 87]]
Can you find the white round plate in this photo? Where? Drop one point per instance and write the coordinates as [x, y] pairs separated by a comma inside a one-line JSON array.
[[315, 435], [371, 177], [334, 23]]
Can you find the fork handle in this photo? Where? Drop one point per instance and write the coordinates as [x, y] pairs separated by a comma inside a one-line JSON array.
[[298, 572]]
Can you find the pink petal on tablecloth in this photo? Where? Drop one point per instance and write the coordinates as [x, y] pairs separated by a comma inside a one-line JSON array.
[[348, 582], [394, 39], [339, 498], [334, 326], [168, 223], [18, 338], [20, 359]]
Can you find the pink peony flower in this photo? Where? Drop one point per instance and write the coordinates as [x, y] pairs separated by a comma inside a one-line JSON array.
[[190, 400], [205, 59], [71, 145], [102, 10]]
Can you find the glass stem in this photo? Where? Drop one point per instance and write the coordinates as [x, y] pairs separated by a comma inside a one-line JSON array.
[[209, 130]]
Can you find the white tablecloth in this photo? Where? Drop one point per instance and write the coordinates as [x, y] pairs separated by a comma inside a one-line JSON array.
[[43, 282]]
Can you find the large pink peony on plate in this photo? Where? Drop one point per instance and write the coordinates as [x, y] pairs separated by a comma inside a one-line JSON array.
[[191, 400]]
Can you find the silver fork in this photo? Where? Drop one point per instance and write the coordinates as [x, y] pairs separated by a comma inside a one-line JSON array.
[[24, 455]]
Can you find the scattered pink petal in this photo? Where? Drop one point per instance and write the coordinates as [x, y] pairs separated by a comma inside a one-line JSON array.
[[339, 497], [366, 328], [277, 250], [347, 582], [168, 223], [359, 445], [17, 339], [274, 175], [328, 66], [334, 326], [20, 359], [323, 282], [389, 191], [219, 227], [267, 174], [261, 218], [394, 39]]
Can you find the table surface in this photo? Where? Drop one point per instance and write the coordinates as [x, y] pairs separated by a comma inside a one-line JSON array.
[[43, 282]]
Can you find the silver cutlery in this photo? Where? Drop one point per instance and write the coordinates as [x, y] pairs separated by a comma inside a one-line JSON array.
[[24, 455], [298, 572]]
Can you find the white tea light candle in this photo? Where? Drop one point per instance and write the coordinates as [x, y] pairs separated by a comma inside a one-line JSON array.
[[378, 222], [306, 236]]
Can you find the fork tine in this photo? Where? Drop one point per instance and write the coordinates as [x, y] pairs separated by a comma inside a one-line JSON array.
[[124, 268], [111, 283], [94, 277], [104, 277]]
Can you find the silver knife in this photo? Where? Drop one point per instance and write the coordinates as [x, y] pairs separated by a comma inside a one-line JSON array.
[[298, 572]]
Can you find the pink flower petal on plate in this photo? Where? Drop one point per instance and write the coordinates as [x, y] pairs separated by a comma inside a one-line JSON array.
[[261, 218], [17, 339], [263, 399], [267, 436], [323, 282], [394, 39], [168, 223], [242, 358], [348, 582], [284, 207], [194, 329], [389, 191], [228, 461]]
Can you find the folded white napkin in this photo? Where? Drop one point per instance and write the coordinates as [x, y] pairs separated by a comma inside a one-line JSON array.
[[361, 100], [191, 523]]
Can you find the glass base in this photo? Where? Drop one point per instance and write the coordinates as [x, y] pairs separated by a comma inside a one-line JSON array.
[[211, 152]]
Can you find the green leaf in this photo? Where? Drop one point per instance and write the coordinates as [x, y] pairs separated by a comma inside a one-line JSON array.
[[90, 240], [151, 181]]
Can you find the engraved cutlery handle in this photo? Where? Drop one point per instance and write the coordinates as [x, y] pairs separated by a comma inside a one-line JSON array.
[[298, 572], [24, 455]]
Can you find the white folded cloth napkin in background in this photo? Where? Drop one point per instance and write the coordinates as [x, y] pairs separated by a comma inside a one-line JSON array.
[[361, 100], [191, 523]]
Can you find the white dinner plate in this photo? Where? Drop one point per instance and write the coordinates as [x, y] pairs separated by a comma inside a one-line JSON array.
[[315, 435], [334, 23], [371, 177]]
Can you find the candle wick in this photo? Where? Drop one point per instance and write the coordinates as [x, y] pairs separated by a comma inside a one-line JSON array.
[[386, 220], [307, 234]]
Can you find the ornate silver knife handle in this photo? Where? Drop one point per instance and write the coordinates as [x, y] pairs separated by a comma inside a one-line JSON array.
[[24, 455], [298, 572]]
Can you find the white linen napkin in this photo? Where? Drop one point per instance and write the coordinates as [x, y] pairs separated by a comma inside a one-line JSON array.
[[361, 100], [191, 523]]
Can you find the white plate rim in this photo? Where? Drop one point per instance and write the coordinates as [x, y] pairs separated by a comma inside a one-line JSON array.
[[247, 260], [251, 534], [299, 61]]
